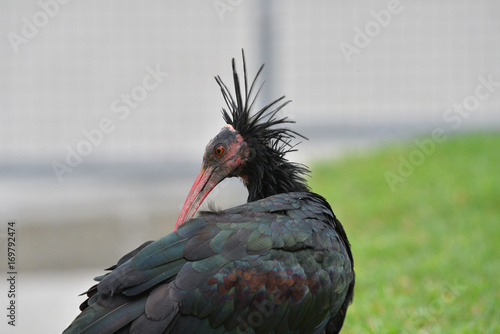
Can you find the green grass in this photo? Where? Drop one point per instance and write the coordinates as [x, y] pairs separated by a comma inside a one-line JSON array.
[[427, 253]]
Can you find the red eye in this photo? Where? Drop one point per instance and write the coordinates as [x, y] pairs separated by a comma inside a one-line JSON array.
[[219, 150]]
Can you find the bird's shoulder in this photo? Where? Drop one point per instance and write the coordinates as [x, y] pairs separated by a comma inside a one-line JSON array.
[[289, 220]]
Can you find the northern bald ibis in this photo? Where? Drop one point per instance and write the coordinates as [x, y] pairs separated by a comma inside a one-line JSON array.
[[280, 263]]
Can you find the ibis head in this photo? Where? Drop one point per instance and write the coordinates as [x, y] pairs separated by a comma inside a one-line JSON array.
[[250, 146]]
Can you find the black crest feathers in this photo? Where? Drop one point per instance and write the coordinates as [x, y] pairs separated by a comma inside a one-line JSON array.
[[264, 124], [266, 132]]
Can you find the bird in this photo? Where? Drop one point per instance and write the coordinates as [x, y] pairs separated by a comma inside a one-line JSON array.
[[279, 263]]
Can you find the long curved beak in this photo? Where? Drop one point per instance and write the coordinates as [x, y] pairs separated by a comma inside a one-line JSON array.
[[202, 186]]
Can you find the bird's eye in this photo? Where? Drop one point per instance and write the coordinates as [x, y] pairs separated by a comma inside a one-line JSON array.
[[219, 150]]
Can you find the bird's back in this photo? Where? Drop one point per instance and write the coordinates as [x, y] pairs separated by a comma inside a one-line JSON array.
[[278, 265]]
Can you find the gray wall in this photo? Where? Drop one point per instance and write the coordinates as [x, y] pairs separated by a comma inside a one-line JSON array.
[[63, 79]]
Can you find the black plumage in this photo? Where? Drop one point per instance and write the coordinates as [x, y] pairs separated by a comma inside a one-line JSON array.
[[281, 263]]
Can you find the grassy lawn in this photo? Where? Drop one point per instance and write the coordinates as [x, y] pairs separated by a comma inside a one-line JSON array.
[[427, 251]]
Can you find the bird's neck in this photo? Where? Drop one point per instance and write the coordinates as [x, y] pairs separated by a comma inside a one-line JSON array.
[[267, 178]]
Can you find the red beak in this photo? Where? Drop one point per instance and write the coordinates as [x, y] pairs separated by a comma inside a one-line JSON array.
[[202, 186]]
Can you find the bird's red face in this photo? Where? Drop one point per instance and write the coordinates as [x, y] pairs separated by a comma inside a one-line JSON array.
[[225, 156]]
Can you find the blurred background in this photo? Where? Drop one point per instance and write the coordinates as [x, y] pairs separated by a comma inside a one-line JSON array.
[[106, 108]]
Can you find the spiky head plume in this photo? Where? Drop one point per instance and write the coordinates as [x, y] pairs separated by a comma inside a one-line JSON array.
[[269, 172]]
